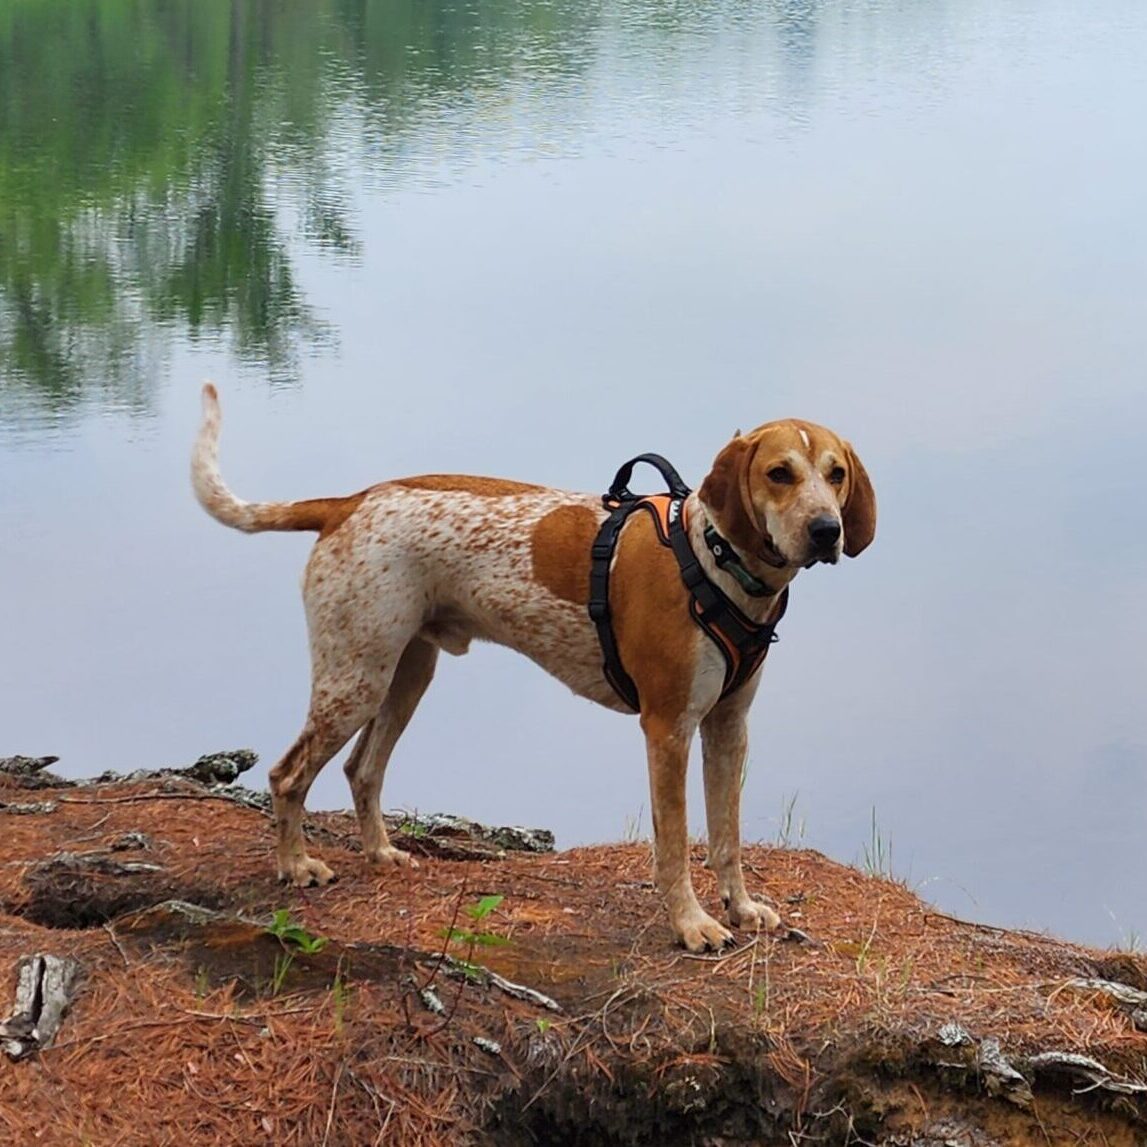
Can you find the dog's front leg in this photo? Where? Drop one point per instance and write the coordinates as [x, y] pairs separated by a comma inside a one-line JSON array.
[[725, 745], [667, 745]]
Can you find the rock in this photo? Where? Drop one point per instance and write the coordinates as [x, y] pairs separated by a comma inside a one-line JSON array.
[[221, 768], [210, 770], [25, 766], [131, 841], [28, 808], [101, 862], [441, 834], [43, 992], [31, 772], [953, 1034]]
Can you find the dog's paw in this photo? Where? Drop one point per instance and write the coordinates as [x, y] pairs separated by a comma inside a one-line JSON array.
[[753, 916], [390, 857], [306, 872], [700, 932]]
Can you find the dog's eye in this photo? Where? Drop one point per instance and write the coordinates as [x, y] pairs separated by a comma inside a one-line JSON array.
[[781, 474], [836, 475]]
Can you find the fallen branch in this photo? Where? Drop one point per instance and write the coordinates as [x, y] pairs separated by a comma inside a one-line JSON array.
[[135, 798], [460, 970], [1084, 1067], [521, 992]]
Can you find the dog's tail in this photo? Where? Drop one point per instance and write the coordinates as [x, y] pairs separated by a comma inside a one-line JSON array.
[[253, 517]]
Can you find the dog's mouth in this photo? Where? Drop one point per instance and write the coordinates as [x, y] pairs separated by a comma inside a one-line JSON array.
[[825, 559], [772, 555]]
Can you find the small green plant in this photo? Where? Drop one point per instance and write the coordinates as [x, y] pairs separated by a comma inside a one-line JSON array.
[[865, 948], [294, 939], [287, 932], [543, 1025], [1129, 938], [471, 938], [283, 962], [789, 822], [761, 1000], [631, 834], [878, 852]]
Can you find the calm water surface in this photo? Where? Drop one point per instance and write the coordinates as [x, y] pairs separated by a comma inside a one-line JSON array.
[[532, 239]]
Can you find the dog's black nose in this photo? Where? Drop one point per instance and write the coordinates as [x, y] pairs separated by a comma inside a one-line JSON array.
[[824, 531]]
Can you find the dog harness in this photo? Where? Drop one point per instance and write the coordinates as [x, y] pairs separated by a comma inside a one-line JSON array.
[[743, 642]]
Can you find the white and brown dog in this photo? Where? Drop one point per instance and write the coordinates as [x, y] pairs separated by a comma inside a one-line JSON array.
[[415, 565]]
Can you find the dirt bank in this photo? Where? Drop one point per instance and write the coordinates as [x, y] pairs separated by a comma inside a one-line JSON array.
[[330, 1016]]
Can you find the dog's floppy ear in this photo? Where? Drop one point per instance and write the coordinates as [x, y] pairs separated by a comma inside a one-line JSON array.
[[859, 511], [725, 489]]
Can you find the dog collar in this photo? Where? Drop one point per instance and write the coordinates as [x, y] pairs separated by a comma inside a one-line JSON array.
[[729, 560]]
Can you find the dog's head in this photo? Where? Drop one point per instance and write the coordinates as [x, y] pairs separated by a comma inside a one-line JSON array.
[[791, 493]]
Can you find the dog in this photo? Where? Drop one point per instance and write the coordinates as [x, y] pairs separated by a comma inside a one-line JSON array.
[[413, 566]]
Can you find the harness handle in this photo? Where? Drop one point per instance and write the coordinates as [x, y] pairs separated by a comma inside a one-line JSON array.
[[619, 491]]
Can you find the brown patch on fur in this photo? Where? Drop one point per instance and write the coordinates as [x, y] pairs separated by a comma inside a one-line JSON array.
[[656, 638], [724, 491], [560, 552], [337, 511], [322, 514], [468, 484]]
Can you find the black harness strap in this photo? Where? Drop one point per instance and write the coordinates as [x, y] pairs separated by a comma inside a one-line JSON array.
[[619, 488], [743, 642], [622, 502]]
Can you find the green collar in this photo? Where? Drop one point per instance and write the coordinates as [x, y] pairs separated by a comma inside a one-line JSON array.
[[729, 560]]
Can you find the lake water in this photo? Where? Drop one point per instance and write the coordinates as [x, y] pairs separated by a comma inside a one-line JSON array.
[[533, 239]]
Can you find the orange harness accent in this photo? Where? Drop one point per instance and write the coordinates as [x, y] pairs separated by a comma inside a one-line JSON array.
[[743, 643]]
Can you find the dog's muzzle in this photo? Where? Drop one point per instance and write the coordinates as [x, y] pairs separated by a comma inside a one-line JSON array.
[[824, 535]]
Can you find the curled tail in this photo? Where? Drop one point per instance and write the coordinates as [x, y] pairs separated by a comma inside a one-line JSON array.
[[253, 517]]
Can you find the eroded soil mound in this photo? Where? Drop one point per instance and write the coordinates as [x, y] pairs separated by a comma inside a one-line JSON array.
[[414, 1007]]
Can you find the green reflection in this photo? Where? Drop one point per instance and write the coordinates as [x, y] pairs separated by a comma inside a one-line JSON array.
[[147, 151]]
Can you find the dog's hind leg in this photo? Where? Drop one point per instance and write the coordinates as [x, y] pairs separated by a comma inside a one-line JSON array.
[[357, 637], [366, 766], [331, 722]]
